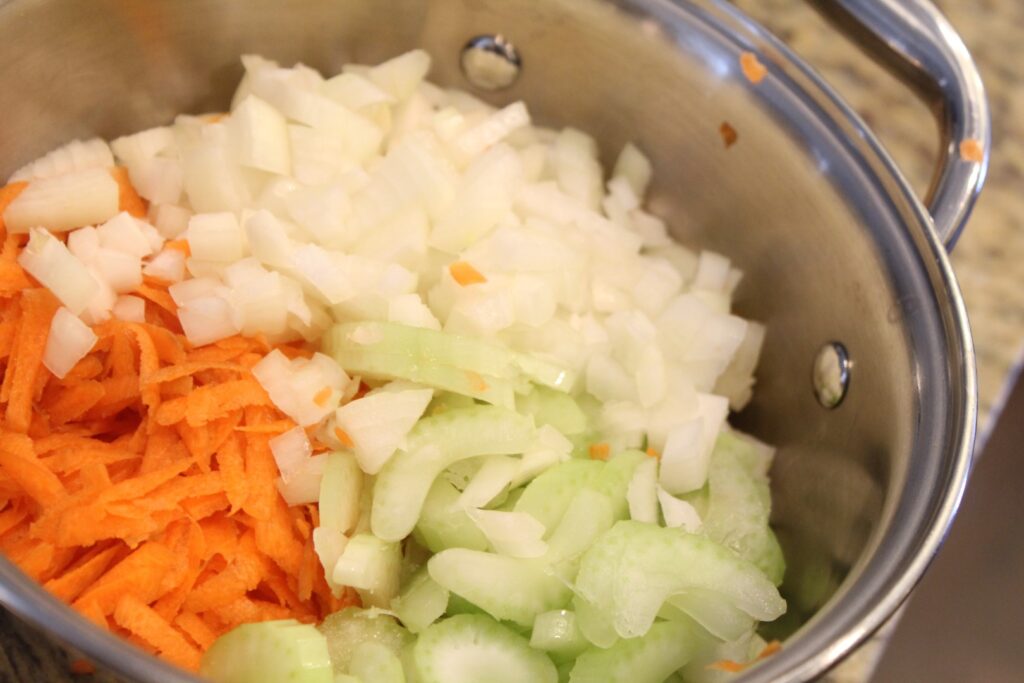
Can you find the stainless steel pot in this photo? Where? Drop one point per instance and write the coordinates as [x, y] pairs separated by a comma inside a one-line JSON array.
[[835, 245]]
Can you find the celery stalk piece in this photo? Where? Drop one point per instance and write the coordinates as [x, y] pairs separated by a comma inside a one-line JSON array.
[[434, 444], [631, 571]]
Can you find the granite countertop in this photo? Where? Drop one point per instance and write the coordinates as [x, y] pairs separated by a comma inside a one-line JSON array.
[[987, 258]]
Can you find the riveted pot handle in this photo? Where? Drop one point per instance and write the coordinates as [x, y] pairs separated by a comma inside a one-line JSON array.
[[915, 41]]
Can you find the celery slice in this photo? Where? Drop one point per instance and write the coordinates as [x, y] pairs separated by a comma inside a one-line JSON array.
[[471, 648], [434, 444], [650, 658], [269, 652], [507, 588], [444, 524], [371, 566], [422, 602], [554, 408], [739, 505], [349, 628], [376, 663], [549, 494], [557, 633], [635, 567]]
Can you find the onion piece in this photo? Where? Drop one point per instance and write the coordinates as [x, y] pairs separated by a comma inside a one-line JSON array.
[[206, 319], [74, 156], [516, 534], [215, 237], [291, 450], [304, 486], [68, 342], [259, 135], [642, 494], [379, 422], [168, 265], [64, 202], [493, 477], [129, 309], [678, 513], [48, 260]]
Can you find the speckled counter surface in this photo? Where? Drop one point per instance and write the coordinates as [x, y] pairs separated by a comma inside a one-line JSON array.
[[989, 256], [989, 259]]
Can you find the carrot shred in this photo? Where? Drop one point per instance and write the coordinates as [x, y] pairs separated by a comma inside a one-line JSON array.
[[599, 451], [727, 665], [140, 488], [179, 245], [81, 667], [752, 68], [322, 397], [128, 199], [344, 438], [652, 452], [138, 618], [465, 274], [971, 150]]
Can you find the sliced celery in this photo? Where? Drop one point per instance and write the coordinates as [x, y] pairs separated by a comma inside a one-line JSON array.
[[434, 444], [269, 652], [739, 505], [650, 658], [554, 408], [507, 588], [632, 569], [371, 566], [443, 524], [421, 602], [349, 628], [556, 632], [549, 494], [473, 648], [376, 663]]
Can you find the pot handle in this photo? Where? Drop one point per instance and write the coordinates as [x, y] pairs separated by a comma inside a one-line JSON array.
[[918, 44]]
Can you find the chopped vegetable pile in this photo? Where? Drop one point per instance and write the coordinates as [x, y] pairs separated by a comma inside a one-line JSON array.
[[366, 380]]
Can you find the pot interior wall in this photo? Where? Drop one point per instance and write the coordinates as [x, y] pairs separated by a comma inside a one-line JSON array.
[[814, 270]]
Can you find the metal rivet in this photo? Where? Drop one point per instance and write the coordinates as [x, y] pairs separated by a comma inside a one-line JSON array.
[[831, 374], [490, 62]]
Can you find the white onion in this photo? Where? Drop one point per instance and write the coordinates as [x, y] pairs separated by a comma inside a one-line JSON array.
[[492, 478], [120, 271], [400, 75], [634, 168], [678, 513], [493, 130], [291, 450], [84, 244], [130, 309], [74, 156], [215, 237], [168, 265], [304, 485], [379, 422], [171, 221], [642, 493], [206, 319], [409, 309], [268, 239], [329, 544], [517, 534], [48, 260], [259, 135], [145, 144], [64, 202], [68, 342], [294, 385]]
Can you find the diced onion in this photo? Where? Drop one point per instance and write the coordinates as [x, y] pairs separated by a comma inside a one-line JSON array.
[[378, 423], [304, 485], [130, 309], [68, 342], [291, 450], [48, 260], [517, 534], [64, 202]]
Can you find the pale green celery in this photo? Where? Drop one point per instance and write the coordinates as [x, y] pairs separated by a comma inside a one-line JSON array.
[[376, 663], [557, 633], [269, 652], [443, 524], [434, 444], [650, 658], [349, 628], [635, 567], [550, 407], [507, 588], [549, 494], [473, 648], [739, 505], [421, 602]]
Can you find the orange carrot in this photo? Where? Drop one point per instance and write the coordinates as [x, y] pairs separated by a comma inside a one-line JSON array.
[[652, 452], [599, 451], [71, 584], [322, 397], [752, 68], [179, 245], [18, 460], [344, 438], [26, 360], [81, 667], [138, 618], [193, 626], [465, 274], [128, 199]]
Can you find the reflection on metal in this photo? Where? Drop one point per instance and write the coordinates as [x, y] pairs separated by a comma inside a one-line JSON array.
[[490, 62], [831, 375]]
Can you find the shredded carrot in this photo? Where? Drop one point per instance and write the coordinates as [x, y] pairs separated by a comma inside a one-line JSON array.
[[179, 245], [728, 133], [753, 70], [653, 453], [140, 487], [476, 381], [971, 150], [81, 667], [322, 397], [128, 199], [465, 274], [727, 665], [344, 438], [769, 649], [599, 451]]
